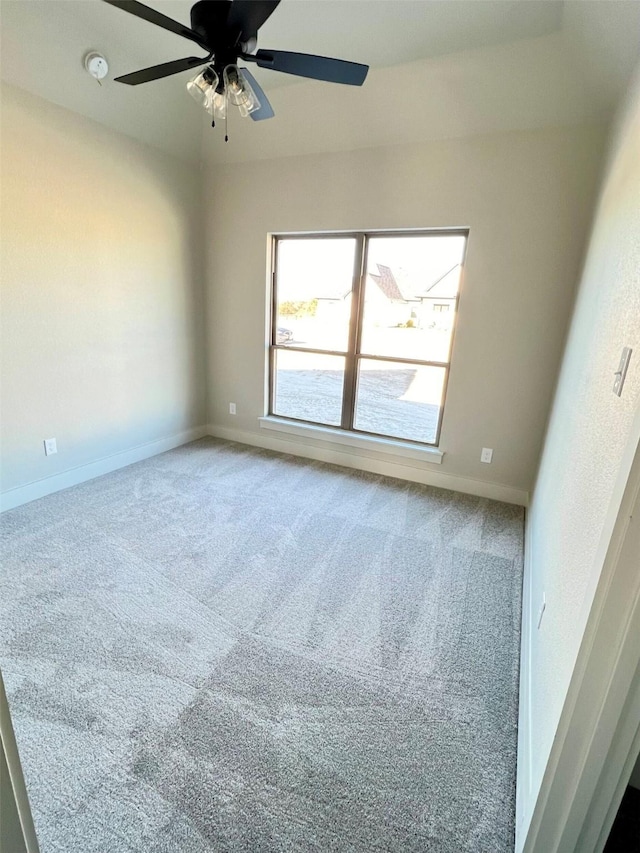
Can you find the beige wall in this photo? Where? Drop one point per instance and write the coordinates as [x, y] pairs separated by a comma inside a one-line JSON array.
[[589, 447], [101, 337], [527, 198]]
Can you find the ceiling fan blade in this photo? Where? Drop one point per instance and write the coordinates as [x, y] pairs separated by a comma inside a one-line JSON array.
[[157, 18], [156, 72], [315, 67], [266, 110], [247, 16]]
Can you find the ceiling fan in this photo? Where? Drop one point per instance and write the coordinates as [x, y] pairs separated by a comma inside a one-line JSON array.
[[228, 31]]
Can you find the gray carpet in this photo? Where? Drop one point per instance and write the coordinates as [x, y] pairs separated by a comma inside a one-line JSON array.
[[225, 649]]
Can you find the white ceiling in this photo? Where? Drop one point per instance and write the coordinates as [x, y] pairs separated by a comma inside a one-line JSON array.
[[439, 68]]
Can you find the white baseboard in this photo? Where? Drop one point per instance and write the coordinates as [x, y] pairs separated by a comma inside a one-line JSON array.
[[371, 461], [38, 489], [297, 446]]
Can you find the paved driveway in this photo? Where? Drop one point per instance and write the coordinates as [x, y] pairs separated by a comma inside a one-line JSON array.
[[394, 402]]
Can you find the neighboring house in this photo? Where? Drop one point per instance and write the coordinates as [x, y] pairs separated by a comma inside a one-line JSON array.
[[438, 301], [394, 301], [386, 304]]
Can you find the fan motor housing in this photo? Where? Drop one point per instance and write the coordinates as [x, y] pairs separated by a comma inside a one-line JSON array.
[[208, 19]]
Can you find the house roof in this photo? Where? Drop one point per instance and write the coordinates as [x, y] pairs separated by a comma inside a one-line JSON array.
[[444, 287], [337, 295], [397, 286], [387, 283]]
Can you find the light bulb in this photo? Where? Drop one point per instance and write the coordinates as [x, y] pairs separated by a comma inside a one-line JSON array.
[[239, 90], [201, 85], [217, 104]]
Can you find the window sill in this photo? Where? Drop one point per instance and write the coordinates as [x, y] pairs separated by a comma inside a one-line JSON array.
[[379, 446]]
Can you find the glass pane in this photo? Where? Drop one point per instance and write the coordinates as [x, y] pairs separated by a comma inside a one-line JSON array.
[[399, 399], [308, 386], [410, 296], [314, 280]]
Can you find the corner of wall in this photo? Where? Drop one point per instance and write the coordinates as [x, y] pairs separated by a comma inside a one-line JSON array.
[[524, 807]]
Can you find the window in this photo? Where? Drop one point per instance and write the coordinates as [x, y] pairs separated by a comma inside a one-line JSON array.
[[362, 328]]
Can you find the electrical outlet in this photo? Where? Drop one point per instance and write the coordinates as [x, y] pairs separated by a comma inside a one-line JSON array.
[[50, 446], [232, 408], [486, 455], [543, 607]]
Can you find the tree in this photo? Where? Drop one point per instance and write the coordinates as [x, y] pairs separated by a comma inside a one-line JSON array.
[[298, 309]]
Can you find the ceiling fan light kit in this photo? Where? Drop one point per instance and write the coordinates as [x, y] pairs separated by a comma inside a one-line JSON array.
[[235, 87], [228, 31]]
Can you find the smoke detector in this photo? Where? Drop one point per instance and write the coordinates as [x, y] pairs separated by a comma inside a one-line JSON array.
[[96, 65]]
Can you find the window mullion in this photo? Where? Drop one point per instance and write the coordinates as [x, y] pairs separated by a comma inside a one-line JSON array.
[[350, 373], [275, 245]]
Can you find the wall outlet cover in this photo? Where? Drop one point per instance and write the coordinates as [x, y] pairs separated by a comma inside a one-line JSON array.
[[486, 455], [232, 408], [50, 446]]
